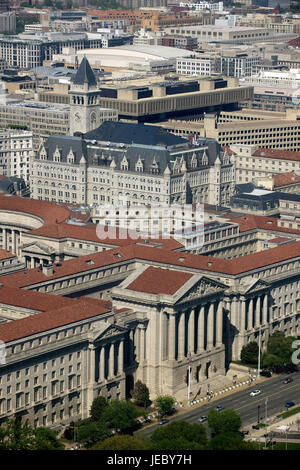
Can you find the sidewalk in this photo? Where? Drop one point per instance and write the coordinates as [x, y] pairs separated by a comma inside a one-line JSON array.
[[273, 423]]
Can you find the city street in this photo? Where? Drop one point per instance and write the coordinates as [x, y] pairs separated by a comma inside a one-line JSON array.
[[273, 389]]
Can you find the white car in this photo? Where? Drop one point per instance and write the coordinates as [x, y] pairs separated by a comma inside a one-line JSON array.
[[254, 393]]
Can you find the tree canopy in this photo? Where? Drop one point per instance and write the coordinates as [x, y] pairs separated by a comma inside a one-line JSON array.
[[165, 404], [97, 408], [18, 435], [229, 441], [249, 353], [121, 443], [279, 350], [179, 435], [223, 421], [140, 394], [120, 415]]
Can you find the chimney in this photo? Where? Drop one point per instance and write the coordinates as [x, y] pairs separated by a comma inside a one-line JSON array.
[[47, 268]]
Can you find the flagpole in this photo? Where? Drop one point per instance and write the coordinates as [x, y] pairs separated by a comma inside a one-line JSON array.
[[259, 340], [189, 379]]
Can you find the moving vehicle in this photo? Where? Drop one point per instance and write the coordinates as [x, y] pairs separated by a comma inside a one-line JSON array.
[[289, 404], [163, 421], [254, 393], [203, 418], [219, 408], [288, 380]]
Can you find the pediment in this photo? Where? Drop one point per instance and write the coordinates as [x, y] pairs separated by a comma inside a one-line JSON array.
[[256, 286], [38, 248], [106, 331], [202, 288]]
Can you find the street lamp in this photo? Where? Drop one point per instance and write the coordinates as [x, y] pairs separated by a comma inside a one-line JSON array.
[[258, 413], [258, 367]]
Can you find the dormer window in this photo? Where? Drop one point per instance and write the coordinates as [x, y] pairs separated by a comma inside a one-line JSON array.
[[124, 164], [139, 165], [71, 157], [56, 155]]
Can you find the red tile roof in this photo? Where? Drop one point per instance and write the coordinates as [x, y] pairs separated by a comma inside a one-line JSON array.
[[160, 281], [279, 240], [284, 179], [40, 322], [47, 211], [6, 255], [252, 222], [89, 232], [31, 299], [278, 154], [81, 264]]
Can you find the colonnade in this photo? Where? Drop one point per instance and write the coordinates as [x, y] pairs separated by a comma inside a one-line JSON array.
[[195, 330]]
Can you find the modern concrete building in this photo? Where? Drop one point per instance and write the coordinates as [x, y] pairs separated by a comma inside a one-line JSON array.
[[266, 131], [29, 50], [223, 34], [153, 100]]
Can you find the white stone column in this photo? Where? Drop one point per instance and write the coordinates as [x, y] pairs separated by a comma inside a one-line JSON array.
[[265, 309], [201, 326], [142, 344], [32, 262], [191, 332], [210, 325], [131, 338], [111, 357], [234, 317], [172, 337], [4, 239], [250, 314], [121, 357], [243, 317], [257, 312], [13, 236], [219, 323], [181, 335], [92, 353], [102, 363]]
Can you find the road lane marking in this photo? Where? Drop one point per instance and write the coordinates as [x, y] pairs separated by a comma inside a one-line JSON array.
[[268, 396]]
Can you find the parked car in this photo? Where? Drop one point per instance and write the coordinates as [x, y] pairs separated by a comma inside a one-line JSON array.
[[163, 421], [289, 404], [288, 380], [266, 373], [219, 407], [203, 418], [254, 393]]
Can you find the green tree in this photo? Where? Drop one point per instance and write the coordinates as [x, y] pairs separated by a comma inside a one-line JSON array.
[[270, 360], [179, 435], [223, 421], [164, 404], [229, 441], [280, 345], [92, 431], [17, 435], [45, 439], [121, 443], [249, 353], [120, 415], [97, 408], [140, 394]]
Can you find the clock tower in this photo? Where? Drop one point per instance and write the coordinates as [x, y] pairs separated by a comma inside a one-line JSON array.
[[84, 107]]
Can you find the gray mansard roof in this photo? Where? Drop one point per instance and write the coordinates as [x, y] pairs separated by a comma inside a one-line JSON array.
[[64, 144], [128, 133], [150, 156]]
